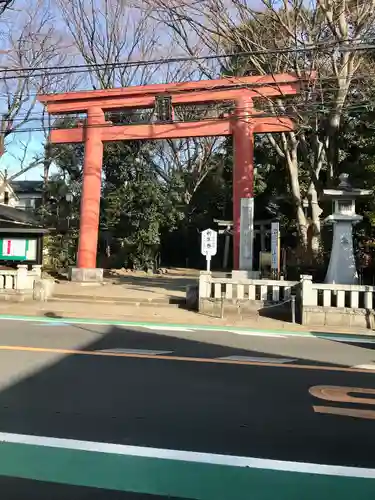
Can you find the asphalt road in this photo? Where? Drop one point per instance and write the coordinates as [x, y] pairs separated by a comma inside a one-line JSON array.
[[193, 392]]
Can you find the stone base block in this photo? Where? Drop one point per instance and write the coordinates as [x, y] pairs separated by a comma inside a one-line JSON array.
[[213, 307], [43, 289], [16, 295], [343, 317], [82, 275]]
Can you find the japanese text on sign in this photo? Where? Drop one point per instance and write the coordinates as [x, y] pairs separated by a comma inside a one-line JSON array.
[[209, 242], [275, 246]]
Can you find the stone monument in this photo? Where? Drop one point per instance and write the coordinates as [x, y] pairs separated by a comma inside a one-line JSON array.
[[342, 268]]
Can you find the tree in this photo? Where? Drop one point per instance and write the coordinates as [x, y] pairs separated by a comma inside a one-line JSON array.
[[188, 161], [304, 37], [5, 4], [136, 205], [31, 42], [109, 36]]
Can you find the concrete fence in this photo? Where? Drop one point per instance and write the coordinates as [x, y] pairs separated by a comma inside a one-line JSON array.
[[317, 304], [19, 283], [250, 294], [337, 305], [8, 279]]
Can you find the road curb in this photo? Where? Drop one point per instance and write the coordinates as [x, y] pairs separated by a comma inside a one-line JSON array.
[[345, 336]]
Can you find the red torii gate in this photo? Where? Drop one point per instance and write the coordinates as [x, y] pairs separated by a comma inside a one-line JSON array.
[[242, 124]]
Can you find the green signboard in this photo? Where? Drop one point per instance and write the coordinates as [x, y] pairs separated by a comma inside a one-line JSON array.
[[18, 249]]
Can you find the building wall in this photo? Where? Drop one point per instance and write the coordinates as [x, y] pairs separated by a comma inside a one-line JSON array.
[[23, 201], [28, 201], [7, 196]]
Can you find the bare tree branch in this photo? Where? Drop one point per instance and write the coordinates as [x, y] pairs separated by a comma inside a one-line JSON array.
[[31, 42], [322, 28], [5, 4], [108, 32]]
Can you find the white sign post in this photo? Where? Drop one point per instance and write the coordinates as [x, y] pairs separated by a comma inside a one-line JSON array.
[[209, 245], [275, 247]]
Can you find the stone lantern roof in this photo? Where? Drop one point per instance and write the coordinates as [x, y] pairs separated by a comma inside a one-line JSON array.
[[345, 190]]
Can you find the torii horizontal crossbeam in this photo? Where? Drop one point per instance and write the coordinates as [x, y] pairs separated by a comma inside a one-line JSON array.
[[203, 91], [147, 101], [217, 127]]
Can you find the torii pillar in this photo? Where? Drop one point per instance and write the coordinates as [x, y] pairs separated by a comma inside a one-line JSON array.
[[91, 191], [245, 122], [243, 185]]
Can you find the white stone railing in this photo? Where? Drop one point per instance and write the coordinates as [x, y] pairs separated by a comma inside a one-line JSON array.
[[20, 278], [316, 303], [245, 289], [8, 279], [336, 295]]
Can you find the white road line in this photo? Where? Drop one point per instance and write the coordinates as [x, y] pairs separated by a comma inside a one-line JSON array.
[[370, 366], [51, 324], [135, 351], [168, 328], [187, 456], [259, 359], [256, 334]]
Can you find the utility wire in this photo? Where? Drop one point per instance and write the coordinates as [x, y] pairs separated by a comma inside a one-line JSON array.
[[309, 93], [87, 67], [233, 118], [222, 106], [312, 90]]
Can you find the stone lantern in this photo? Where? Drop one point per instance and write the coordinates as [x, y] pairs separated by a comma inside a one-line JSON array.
[[342, 268]]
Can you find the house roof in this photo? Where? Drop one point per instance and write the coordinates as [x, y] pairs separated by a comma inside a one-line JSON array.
[[13, 219], [27, 187]]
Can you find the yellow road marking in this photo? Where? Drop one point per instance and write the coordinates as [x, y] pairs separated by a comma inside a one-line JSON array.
[[176, 358]]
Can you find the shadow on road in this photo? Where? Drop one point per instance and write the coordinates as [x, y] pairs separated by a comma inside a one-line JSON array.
[[256, 411]]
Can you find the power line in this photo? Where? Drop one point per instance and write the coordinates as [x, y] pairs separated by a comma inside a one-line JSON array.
[[87, 67], [310, 90], [306, 114], [253, 86], [140, 62], [310, 103]]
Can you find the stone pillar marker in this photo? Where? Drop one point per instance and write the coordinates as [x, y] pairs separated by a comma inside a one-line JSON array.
[[342, 268]]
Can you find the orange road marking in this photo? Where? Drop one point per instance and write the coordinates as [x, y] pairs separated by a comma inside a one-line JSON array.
[[177, 358], [345, 412], [339, 394]]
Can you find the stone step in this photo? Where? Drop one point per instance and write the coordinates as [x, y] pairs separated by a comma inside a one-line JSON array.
[[172, 301]]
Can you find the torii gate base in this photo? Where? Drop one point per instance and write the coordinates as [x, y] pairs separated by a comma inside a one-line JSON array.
[[242, 124]]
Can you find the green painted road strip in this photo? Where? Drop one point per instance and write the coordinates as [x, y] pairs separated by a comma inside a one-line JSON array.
[[144, 324], [181, 474], [345, 337]]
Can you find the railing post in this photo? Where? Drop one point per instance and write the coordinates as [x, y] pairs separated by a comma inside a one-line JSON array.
[[204, 292], [293, 306], [222, 301], [204, 285], [22, 278], [37, 270], [308, 296]]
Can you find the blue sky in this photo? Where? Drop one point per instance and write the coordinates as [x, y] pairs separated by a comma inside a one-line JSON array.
[[35, 140], [11, 159]]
